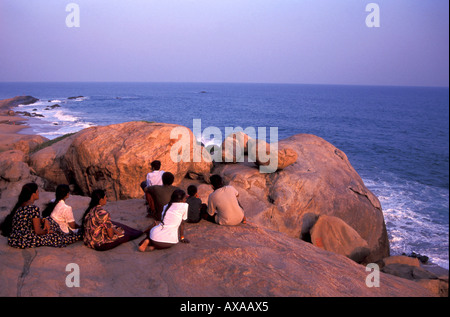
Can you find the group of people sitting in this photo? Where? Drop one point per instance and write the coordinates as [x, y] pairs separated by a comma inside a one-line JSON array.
[[25, 227]]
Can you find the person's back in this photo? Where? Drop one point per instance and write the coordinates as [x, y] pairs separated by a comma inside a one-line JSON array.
[[167, 232], [194, 211], [161, 196], [161, 193], [223, 201], [63, 215], [154, 178]]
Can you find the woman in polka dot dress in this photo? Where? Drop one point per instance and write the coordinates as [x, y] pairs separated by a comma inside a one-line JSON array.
[[24, 226]]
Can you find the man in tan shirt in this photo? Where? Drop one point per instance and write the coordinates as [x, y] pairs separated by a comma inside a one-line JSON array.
[[223, 204]]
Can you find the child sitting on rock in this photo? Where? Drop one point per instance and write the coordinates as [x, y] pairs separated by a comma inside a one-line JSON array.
[[153, 178], [196, 208]]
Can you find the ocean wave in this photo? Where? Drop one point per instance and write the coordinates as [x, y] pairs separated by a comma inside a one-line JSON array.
[[416, 217], [62, 116]]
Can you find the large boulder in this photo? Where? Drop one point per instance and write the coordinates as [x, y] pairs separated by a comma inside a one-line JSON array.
[[273, 156], [26, 143], [48, 163], [12, 166], [333, 234], [14, 173], [321, 182], [117, 157]]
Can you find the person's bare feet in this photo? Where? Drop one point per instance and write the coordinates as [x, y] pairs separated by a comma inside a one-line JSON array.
[[143, 246]]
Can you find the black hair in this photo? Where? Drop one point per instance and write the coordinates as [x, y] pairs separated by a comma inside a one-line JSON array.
[[167, 178], [156, 165], [216, 181], [25, 195], [192, 190], [61, 192], [177, 196], [95, 201]]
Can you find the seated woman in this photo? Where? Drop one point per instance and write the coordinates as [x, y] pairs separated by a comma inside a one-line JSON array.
[[170, 230], [61, 217], [100, 233], [25, 228]]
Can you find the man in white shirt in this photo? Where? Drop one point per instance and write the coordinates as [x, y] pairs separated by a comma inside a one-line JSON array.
[[223, 205]]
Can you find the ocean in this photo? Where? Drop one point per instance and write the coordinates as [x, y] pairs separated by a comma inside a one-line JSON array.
[[397, 138]]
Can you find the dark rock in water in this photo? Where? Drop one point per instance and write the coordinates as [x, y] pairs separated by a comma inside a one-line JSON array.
[[27, 114], [75, 97], [24, 113], [422, 258], [19, 100], [407, 271], [51, 107]]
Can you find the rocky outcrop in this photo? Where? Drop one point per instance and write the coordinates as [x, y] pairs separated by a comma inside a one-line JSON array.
[[262, 258], [13, 167], [48, 163], [246, 260], [320, 182], [239, 147], [14, 172], [333, 234], [431, 277], [15, 101], [117, 157]]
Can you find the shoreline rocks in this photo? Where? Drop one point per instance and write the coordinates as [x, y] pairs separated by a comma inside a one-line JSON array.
[[15, 101], [319, 184], [321, 181]]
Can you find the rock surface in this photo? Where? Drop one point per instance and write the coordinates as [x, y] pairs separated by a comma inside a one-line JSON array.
[[333, 234], [246, 260], [117, 158], [15, 101], [321, 182]]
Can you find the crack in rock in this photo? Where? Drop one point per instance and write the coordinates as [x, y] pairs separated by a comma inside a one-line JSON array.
[[28, 257]]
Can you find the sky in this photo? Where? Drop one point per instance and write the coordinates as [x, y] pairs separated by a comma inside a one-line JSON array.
[[242, 41]]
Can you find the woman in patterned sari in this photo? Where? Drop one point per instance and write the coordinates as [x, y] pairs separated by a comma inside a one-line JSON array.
[[100, 232]]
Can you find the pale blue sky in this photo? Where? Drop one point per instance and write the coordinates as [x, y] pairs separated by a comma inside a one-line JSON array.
[[261, 41]]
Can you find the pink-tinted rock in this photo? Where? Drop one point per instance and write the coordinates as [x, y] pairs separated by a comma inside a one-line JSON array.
[[118, 157], [333, 234]]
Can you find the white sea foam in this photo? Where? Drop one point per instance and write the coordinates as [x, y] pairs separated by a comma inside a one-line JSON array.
[[409, 220], [56, 121], [62, 116]]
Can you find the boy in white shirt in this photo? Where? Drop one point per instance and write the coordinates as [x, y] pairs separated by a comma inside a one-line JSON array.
[[153, 178]]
